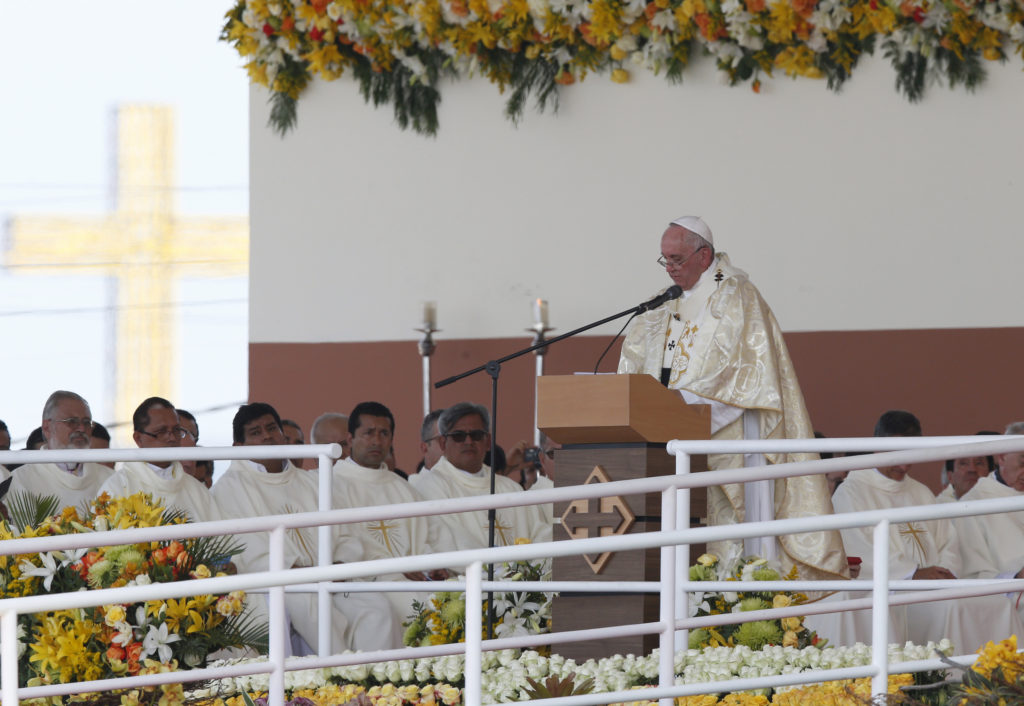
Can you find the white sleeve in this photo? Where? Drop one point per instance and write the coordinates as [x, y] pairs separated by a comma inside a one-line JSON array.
[[722, 414]]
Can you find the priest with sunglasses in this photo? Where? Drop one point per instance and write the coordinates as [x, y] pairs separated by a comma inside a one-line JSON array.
[[461, 473]]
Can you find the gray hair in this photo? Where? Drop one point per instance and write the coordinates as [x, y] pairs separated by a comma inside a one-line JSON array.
[[56, 398], [453, 414], [429, 422], [1015, 428], [323, 419]]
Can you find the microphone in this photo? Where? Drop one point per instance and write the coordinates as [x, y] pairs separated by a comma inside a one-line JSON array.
[[673, 292]]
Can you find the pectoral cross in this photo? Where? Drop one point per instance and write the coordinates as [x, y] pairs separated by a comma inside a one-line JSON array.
[[384, 528]]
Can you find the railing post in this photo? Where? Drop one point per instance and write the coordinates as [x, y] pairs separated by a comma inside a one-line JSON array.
[[9, 657], [667, 598], [278, 627], [683, 514], [324, 557], [880, 610], [474, 633]]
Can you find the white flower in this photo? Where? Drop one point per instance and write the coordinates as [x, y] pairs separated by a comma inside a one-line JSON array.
[[47, 571], [158, 641]]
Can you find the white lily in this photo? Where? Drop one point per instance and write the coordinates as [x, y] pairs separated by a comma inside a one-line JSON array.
[[47, 571], [158, 641]]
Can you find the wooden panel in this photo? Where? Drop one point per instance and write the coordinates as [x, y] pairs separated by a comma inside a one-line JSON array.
[[588, 409], [580, 612]]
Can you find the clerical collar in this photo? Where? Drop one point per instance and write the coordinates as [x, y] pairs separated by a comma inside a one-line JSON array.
[[1000, 478], [165, 473]]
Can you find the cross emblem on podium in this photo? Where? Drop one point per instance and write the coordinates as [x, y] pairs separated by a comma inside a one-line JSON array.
[[597, 517]]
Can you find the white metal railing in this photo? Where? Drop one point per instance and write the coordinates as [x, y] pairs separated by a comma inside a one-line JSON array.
[[668, 538]]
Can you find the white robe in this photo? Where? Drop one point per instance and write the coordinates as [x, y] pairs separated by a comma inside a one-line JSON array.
[[991, 545], [178, 492], [547, 510], [967, 622], [946, 495], [50, 479], [361, 621], [470, 529], [729, 352], [358, 486]]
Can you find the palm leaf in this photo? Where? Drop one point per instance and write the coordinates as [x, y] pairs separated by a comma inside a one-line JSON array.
[[30, 510]]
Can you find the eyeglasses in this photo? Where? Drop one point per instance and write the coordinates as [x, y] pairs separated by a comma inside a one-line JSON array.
[[75, 422], [668, 262], [172, 433], [459, 436]]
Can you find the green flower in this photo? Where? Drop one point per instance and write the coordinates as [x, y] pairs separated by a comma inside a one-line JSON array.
[[753, 604], [453, 612], [698, 638], [766, 574], [759, 633], [702, 573]]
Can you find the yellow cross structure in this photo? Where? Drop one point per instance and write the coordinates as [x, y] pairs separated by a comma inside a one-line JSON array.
[[144, 246], [500, 530]]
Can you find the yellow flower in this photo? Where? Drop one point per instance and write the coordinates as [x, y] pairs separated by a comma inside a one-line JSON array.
[[792, 624], [707, 560], [781, 600], [620, 76], [790, 639], [113, 614]]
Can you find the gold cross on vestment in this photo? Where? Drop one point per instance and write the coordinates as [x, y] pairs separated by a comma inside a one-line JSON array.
[[384, 528], [501, 529], [143, 245], [913, 532]]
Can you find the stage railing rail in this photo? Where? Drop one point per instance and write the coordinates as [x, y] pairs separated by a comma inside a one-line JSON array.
[[674, 490]]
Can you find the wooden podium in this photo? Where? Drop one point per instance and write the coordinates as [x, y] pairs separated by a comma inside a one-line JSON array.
[[613, 427]]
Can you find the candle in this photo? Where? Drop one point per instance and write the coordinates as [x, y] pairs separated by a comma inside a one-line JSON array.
[[430, 315], [540, 312]]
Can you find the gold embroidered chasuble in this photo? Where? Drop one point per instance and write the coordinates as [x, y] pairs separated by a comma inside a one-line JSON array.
[[727, 347]]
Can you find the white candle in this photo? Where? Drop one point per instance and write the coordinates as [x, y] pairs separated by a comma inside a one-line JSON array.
[[540, 312], [429, 315]]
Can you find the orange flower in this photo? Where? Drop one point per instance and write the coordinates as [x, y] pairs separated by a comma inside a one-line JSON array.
[[320, 6], [174, 549], [288, 24], [134, 651], [115, 652], [565, 78], [755, 6], [804, 8]]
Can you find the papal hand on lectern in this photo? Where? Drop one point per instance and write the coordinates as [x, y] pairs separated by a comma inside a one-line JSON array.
[[720, 344]]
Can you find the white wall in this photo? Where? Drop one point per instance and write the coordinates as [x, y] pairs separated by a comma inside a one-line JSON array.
[[850, 211]]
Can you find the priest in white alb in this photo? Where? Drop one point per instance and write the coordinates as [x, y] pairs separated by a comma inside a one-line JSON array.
[[363, 480], [719, 344], [992, 546], [156, 425], [461, 472], [67, 424], [919, 550], [360, 621]]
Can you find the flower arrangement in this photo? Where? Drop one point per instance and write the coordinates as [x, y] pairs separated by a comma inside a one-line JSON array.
[[400, 50], [506, 674], [788, 632], [126, 639], [443, 619]]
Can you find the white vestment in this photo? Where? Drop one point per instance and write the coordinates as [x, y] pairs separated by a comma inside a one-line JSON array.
[[361, 621], [50, 479], [968, 622], [728, 350], [991, 545], [357, 486], [179, 491], [470, 529], [946, 495], [4, 473]]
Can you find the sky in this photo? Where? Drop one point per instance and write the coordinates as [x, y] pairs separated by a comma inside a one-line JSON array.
[[69, 65]]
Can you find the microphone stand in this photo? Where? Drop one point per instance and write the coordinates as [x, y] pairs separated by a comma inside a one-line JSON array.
[[493, 368]]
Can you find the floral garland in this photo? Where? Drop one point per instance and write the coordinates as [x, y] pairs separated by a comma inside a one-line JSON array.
[[442, 620], [125, 639], [400, 50], [505, 674]]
